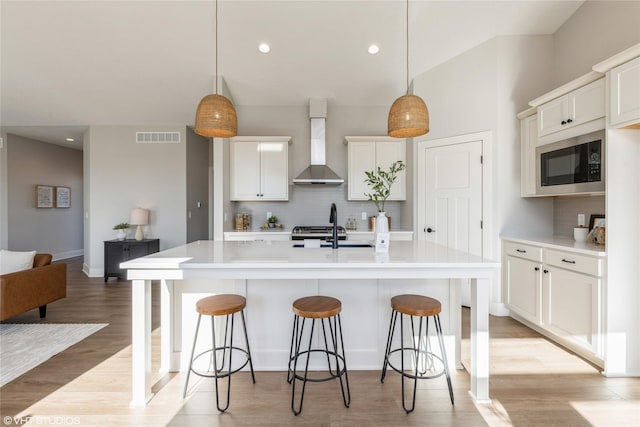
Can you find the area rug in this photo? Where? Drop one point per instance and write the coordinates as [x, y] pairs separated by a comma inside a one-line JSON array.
[[25, 346]]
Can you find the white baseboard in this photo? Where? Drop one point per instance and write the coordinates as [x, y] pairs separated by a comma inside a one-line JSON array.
[[92, 272], [498, 309], [69, 254]]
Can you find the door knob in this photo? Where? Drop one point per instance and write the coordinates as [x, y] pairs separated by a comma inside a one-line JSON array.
[[430, 230]]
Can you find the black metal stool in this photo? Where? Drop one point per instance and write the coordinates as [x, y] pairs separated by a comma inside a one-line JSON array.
[[221, 305], [422, 307], [323, 308]]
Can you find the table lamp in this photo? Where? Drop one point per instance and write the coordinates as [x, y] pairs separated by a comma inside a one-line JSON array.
[[139, 217]]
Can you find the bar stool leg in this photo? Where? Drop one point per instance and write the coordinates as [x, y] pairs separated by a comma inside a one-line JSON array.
[[215, 362], [326, 345], [246, 339], [338, 328], [295, 346], [392, 327], [306, 369], [193, 349], [444, 356]]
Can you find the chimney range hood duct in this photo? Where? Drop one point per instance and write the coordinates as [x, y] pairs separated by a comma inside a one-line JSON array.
[[318, 172]]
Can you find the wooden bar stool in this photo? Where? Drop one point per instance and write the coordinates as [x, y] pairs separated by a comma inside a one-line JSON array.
[[322, 308], [221, 305], [425, 361]]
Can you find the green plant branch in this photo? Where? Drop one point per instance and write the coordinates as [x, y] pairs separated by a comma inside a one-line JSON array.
[[381, 181]]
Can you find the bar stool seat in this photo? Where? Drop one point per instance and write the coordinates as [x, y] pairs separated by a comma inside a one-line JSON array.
[[321, 308], [423, 358], [221, 305]]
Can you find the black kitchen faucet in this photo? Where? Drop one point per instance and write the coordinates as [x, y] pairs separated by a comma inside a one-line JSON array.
[[333, 219]]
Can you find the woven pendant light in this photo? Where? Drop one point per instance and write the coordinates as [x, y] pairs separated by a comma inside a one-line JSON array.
[[408, 116], [216, 117]]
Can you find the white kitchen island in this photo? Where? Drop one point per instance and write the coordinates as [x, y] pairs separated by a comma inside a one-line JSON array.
[[271, 275]]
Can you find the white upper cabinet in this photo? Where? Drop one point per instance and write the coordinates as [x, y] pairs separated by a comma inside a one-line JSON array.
[[259, 168], [528, 141], [624, 94], [366, 154], [575, 108]]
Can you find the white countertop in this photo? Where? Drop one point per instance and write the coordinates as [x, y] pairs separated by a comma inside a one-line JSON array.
[[288, 231], [271, 255], [561, 242]]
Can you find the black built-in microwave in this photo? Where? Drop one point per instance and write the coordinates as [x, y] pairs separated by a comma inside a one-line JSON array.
[[571, 166]]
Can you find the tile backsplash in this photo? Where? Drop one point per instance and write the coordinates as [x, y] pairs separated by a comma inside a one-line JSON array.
[[566, 210], [310, 206]]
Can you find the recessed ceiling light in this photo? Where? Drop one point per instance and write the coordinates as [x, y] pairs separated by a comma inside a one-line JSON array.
[[264, 48], [69, 139], [373, 49]]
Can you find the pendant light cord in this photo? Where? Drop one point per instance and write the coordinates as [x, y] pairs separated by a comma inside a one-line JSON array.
[[407, 47], [216, 76]]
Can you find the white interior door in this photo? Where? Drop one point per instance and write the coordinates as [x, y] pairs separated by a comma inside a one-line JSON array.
[[451, 192]]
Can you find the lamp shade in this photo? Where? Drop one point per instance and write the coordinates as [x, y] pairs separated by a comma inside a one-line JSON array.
[[408, 117], [216, 117], [139, 216]]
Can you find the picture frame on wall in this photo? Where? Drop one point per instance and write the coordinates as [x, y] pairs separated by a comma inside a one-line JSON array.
[[44, 196], [63, 197]]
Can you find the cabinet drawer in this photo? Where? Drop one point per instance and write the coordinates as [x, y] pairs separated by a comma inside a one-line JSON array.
[[575, 262], [521, 250]]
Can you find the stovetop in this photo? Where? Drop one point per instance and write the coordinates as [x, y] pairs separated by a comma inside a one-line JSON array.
[[301, 232]]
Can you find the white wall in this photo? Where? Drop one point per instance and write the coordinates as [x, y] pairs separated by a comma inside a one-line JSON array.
[[57, 231], [483, 90], [3, 191], [122, 175], [622, 318], [308, 204], [595, 32]]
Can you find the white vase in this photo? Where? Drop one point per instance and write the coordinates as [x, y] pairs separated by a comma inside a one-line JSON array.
[[121, 234], [382, 233]]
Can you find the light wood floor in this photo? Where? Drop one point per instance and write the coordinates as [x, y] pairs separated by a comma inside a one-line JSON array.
[[533, 382]]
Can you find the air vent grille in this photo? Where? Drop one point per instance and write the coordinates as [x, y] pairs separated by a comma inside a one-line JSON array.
[[158, 137]]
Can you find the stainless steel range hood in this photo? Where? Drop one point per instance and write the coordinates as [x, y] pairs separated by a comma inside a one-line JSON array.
[[318, 172]]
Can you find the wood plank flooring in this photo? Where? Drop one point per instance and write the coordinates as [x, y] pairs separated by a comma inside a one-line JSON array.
[[533, 382]]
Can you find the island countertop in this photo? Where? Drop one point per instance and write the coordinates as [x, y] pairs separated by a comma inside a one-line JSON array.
[[273, 255]]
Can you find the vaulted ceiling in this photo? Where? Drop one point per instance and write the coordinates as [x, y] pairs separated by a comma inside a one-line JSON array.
[[66, 65]]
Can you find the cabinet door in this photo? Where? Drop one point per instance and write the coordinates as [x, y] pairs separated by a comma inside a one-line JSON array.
[[362, 157], [388, 152], [552, 115], [274, 166], [114, 254], [137, 250], [245, 170], [529, 139], [586, 103], [624, 88], [573, 307], [524, 284]]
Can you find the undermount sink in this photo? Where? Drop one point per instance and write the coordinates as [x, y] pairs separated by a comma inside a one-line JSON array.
[[342, 244]]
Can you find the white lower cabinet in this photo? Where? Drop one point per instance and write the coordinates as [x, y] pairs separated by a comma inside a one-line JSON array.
[[573, 308], [524, 288], [557, 292]]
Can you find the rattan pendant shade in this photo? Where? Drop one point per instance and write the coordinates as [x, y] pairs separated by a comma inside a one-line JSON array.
[[216, 117], [408, 116]]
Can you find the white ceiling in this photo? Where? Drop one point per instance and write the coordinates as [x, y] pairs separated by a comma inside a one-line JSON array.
[[66, 65]]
